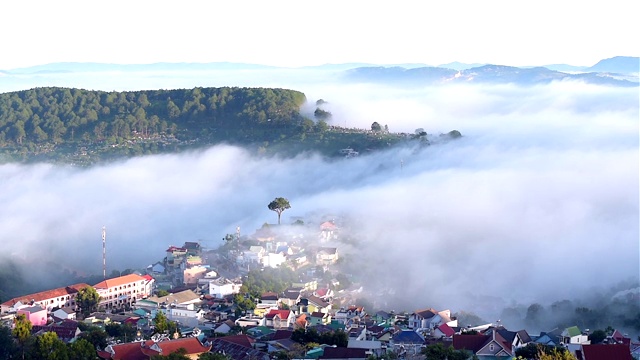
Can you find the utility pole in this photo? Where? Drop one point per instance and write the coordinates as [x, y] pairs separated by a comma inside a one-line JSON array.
[[104, 252]]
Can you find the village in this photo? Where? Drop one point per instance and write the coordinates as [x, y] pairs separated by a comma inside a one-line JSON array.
[[226, 303]]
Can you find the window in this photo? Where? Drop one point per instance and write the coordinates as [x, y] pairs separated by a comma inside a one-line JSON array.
[[491, 347]]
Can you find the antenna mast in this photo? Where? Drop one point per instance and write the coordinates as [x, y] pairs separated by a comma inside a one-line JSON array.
[[104, 252]]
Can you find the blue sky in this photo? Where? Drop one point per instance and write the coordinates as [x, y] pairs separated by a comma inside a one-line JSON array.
[[298, 33]]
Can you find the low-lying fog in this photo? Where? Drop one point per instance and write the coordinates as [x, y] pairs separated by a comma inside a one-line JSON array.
[[538, 200]]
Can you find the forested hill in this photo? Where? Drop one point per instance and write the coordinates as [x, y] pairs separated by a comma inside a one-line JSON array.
[[47, 123]]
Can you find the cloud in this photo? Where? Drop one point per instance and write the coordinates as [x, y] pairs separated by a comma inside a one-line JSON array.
[[538, 201]]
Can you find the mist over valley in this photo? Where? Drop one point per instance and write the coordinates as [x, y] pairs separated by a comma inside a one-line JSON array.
[[537, 202]]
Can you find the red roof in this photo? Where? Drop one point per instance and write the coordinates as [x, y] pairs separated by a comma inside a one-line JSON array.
[[147, 277], [175, 248], [118, 281], [46, 295], [242, 340], [606, 352], [191, 345], [322, 292], [328, 225], [446, 330], [127, 351], [282, 314]]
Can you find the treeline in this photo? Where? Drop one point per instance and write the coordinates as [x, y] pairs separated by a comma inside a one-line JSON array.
[[49, 116]]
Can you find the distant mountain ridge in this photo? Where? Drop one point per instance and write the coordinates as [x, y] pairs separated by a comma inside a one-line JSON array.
[[617, 64], [492, 74]]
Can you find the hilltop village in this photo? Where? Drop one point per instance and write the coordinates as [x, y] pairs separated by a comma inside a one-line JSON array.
[[280, 293]]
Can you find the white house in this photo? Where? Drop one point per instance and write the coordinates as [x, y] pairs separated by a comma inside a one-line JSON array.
[[273, 260], [431, 319], [221, 287]]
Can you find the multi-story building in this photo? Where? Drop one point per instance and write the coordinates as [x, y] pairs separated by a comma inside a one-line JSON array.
[[57, 298], [117, 292]]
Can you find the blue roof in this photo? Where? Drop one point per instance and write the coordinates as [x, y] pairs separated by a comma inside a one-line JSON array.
[[408, 336]]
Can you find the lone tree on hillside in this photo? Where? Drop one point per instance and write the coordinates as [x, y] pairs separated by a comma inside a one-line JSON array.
[[279, 205]]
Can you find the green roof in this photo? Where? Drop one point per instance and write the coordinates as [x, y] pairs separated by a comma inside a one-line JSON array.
[[573, 331]]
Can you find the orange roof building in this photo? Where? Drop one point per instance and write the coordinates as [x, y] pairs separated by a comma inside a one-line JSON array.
[[146, 349], [117, 292], [61, 297]]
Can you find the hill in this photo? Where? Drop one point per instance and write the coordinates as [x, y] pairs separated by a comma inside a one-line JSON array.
[[84, 127], [618, 65], [486, 74]]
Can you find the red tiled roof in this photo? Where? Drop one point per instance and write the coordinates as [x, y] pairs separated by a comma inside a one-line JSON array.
[[446, 330], [48, 294], [328, 225], [426, 313], [118, 281], [191, 345], [147, 277], [269, 296], [127, 351], [242, 340], [606, 352], [283, 314]]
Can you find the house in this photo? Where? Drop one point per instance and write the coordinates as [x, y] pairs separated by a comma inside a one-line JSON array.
[[430, 319], [325, 294], [372, 347], [66, 330], [156, 268], [193, 274], [407, 342], [328, 230], [193, 248], [484, 346], [185, 297], [237, 347], [306, 285], [254, 255], [221, 287], [311, 304], [301, 322], [66, 313], [573, 335], [604, 352], [193, 260], [384, 318], [346, 315], [175, 256], [273, 260], [290, 297], [319, 318], [225, 327], [269, 299], [146, 349], [443, 330], [279, 319], [149, 284], [37, 315], [120, 291], [56, 298], [327, 256]]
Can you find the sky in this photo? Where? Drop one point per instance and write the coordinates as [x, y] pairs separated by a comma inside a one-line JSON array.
[[301, 33]]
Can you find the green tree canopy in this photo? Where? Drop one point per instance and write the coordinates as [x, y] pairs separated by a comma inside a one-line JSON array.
[[88, 300], [279, 205]]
